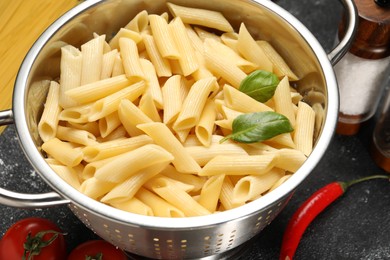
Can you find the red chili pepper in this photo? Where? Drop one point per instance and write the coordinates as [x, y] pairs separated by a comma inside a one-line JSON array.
[[307, 212]]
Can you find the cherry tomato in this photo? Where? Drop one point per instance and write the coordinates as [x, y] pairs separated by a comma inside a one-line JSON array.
[[97, 250], [33, 238]]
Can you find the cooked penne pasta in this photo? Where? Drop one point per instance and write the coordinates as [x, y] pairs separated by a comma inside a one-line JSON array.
[[115, 147], [140, 123], [239, 165], [128, 188], [70, 77], [194, 103], [250, 187], [48, 124], [162, 136], [127, 164], [210, 192], [207, 18], [134, 205], [63, 152], [92, 58], [168, 190], [160, 207], [304, 129], [109, 104], [251, 51], [187, 57], [162, 36]]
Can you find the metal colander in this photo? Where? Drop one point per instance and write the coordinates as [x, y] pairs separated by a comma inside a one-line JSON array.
[[154, 237]]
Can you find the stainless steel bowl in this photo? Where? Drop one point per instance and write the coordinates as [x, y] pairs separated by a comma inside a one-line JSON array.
[[154, 237]]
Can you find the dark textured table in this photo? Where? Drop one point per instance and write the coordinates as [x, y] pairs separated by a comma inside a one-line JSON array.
[[357, 226]]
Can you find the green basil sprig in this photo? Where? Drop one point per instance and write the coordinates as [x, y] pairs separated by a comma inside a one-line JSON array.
[[258, 127], [260, 85]]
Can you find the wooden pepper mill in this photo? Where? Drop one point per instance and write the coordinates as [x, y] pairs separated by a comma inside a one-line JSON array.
[[362, 71]]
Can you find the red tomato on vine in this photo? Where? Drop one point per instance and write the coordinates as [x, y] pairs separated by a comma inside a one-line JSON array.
[[33, 238], [97, 250]]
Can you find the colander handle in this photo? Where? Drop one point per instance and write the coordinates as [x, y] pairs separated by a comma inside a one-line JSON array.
[[24, 200], [352, 23]]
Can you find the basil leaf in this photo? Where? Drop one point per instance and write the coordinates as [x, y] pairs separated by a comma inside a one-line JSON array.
[[260, 85], [258, 127]]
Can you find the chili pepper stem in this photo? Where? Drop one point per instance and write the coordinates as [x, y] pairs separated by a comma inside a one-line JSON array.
[[346, 185]]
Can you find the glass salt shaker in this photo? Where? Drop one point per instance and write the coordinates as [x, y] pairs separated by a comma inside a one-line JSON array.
[[380, 150], [363, 70]]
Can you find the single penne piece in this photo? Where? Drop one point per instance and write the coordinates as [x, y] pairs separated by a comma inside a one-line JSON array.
[[160, 207], [204, 34], [172, 101], [202, 154], [168, 190], [118, 66], [130, 59], [304, 128], [48, 124], [130, 115], [124, 33], [134, 205], [127, 164], [162, 136], [226, 195], [222, 66], [251, 187], [280, 182], [239, 165], [70, 76], [92, 58], [196, 41], [92, 127], [115, 147], [283, 102], [148, 107], [191, 179], [75, 135], [229, 113], [119, 133], [205, 127], [280, 67], [95, 188], [281, 141], [108, 124], [237, 100], [110, 104], [162, 36], [90, 168], [187, 58], [77, 114], [139, 23], [63, 152], [210, 193], [108, 64], [230, 39], [251, 51], [153, 85], [203, 17], [289, 159], [128, 188], [194, 103], [68, 174], [161, 65], [99, 89], [224, 51]]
